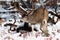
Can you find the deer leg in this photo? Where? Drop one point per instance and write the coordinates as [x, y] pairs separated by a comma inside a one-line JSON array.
[[32, 29], [44, 27], [1, 25]]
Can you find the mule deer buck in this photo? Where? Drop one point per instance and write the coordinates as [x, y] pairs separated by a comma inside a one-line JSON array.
[[37, 16]]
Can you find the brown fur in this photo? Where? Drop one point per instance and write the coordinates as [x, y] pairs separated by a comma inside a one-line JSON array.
[[38, 16], [1, 21]]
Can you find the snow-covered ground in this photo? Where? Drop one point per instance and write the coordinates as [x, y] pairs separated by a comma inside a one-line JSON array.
[[54, 31]]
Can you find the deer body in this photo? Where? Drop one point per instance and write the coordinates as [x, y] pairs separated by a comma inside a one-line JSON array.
[[37, 16]]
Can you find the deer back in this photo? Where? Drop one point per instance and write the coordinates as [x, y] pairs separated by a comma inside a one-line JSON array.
[[38, 15]]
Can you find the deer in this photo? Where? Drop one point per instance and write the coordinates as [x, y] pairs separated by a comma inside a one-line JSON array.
[[39, 15]]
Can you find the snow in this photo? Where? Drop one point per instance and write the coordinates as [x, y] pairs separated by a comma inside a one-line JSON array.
[[5, 35]]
